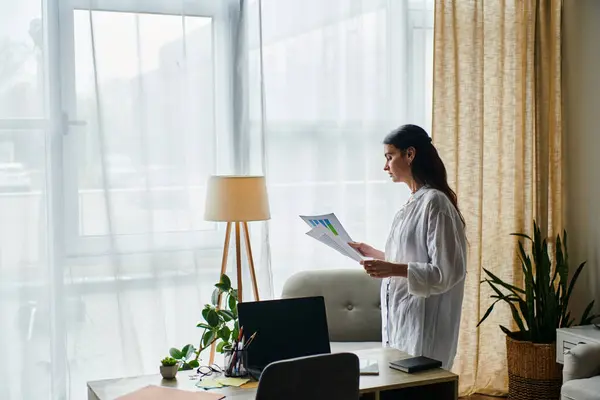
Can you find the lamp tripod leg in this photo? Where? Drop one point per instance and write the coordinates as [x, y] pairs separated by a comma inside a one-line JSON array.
[[250, 261], [238, 259]]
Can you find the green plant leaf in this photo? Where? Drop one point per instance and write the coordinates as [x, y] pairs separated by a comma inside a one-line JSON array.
[[565, 320], [573, 281], [224, 333], [511, 297], [220, 346], [212, 318], [561, 273], [585, 319], [205, 312], [522, 235], [203, 325], [508, 299], [536, 244], [497, 291], [517, 317], [194, 363], [232, 303], [214, 299], [222, 287], [207, 338], [226, 315], [590, 319], [500, 282], [564, 273], [559, 259], [236, 331], [175, 353], [506, 331], [185, 367], [226, 282], [566, 250], [567, 296], [234, 293], [529, 306], [187, 351], [184, 351], [524, 311], [487, 313]]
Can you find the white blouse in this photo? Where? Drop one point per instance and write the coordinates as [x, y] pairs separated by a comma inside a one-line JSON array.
[[421, 313]]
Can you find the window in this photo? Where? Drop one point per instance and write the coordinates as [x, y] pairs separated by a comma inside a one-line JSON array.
[[146, 111]]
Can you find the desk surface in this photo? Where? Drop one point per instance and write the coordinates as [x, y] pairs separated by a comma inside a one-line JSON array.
[[387, 379]]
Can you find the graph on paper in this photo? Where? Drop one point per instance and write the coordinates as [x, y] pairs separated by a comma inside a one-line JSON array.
[[328, 230], [326, 223]]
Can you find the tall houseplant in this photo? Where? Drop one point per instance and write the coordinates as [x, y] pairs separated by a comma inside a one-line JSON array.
[[220, 325], [538, 310]]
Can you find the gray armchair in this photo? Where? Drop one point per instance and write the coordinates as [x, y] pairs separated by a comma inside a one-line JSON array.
[[321, 377], [581, 373], [352, 301]]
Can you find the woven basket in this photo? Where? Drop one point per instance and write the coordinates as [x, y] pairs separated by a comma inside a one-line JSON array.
[[533, 373]]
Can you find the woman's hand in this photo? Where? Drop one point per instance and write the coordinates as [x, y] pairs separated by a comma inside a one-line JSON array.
[[367, 251], [384, 269]]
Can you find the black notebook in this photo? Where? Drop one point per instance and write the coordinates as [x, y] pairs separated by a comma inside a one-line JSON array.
[[415, 364]]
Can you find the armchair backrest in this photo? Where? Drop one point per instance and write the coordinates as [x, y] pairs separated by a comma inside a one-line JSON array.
[[352, 301]]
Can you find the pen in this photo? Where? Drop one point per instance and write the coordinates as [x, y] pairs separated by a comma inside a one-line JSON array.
[[250, 340]]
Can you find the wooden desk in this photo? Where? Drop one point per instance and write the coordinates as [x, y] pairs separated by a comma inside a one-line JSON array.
[[434, 384]]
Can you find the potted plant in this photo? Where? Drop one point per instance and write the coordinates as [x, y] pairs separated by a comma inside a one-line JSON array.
[[220, 325], [169, 367], [538, 310]]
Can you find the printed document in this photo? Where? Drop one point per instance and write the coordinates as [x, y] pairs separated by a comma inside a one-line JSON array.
[[328, 230]]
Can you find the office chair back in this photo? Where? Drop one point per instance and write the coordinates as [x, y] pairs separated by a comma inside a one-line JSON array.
[[325, 376]]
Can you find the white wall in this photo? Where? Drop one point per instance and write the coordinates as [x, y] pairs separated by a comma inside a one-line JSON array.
[[581, 77]]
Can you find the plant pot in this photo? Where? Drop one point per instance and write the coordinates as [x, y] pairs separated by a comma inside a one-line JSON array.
[[533, 373], [169, 372], [236, 362]]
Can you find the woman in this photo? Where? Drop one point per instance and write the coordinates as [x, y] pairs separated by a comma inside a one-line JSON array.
[[424, 262]]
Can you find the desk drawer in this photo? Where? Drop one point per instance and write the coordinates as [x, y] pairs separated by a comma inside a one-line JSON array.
[[565, 343]]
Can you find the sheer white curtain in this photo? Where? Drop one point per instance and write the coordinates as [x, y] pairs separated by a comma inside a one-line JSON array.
[[113, 113], [336, 77]]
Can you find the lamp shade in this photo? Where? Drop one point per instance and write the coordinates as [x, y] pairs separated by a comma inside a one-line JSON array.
[[237, 199]]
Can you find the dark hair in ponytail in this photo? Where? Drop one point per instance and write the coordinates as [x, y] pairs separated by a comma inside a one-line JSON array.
[[427, 167]]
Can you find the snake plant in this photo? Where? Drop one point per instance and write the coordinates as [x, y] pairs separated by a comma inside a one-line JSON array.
[[541, 306]]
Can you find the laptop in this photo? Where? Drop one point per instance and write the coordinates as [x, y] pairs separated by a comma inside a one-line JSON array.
[[285, 328]]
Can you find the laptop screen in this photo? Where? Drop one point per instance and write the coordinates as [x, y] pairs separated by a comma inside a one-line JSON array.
[[285, 328]]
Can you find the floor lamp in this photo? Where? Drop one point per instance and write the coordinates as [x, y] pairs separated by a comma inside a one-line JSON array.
[[237, 200]]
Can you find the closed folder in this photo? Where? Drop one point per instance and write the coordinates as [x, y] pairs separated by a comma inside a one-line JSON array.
[[153, 392], [415, 364]]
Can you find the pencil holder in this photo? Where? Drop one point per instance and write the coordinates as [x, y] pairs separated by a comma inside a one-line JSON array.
[[236, 363]]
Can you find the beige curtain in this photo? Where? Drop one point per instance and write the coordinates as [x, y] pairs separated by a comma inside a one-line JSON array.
[[497, 124]]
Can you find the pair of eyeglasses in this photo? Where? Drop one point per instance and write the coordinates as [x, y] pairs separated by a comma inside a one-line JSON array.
[[205, 370]]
